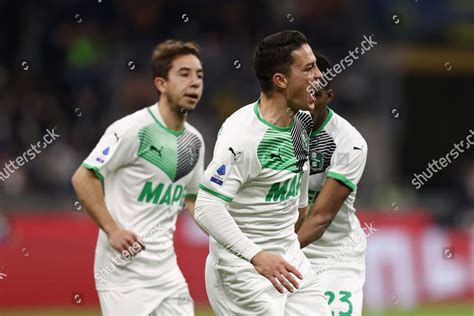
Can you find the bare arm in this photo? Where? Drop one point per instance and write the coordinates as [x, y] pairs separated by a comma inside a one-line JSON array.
[[190, 203], [301, 216], [90, 193], [89, 190], [328, 203]]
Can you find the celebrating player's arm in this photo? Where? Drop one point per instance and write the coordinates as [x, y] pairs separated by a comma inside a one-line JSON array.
[[347, 165], [232, 166], [302, 211], [87, 184]]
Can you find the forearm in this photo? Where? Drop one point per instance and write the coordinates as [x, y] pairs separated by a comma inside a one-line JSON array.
[[90, 193], [312, 229], [301, 216], [190, 205], [214, 218]]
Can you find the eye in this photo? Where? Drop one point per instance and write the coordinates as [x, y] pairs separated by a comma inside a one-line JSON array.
[[184, 74]]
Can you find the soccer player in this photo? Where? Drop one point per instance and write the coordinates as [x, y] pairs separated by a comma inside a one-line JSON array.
[[149, 162], [249, 200], [331, 234]]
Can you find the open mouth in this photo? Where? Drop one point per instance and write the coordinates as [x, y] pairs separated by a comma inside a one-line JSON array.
[[193, 96]]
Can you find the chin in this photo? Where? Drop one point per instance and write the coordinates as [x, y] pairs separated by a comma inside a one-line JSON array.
[[188, 107]]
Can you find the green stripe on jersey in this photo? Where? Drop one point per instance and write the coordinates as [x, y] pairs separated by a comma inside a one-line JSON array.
[[159, 147], [219, 195], [341, 178], [95, 169], [276, 151], [175, 133]]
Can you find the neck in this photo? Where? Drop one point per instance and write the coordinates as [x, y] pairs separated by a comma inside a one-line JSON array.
[[319, 117], [173, 118], [274, 109]]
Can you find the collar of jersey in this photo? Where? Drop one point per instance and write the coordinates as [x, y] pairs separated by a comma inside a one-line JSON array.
[[326, 121], [278, 128], [162, 124]]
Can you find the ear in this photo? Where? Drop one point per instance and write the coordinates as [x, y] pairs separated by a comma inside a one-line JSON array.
[[280, 80], [330, 94], [160, 84]]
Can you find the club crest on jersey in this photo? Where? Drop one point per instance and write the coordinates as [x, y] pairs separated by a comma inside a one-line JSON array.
[[105, 152], [305, 139], [218, 178], [316, 161], [192, 155]]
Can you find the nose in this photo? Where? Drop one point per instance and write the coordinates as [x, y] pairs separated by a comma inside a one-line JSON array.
[[195, 81], [317, 73]]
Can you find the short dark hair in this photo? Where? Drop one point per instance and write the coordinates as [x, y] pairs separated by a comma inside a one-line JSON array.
[[274, 54], [164, 54], [323, 64]]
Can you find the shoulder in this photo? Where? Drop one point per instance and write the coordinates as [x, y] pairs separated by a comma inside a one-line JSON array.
[[241, 128], [130, 123], [243, 116], [344, 133]]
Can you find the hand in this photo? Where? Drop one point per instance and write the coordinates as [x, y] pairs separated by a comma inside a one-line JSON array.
[[274, 268], [123, 240]]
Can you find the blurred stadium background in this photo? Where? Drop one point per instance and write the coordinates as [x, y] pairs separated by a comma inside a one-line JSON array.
[[80, 65]]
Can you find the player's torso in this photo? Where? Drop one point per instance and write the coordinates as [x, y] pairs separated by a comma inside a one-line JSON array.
[[323, 153], [146, 195], [151, 188], [266, 206]]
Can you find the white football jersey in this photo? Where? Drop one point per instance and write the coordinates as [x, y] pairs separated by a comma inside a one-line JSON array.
[[258, 169], [338, 151], [147, 170]]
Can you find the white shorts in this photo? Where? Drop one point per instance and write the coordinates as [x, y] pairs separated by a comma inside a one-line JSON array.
[[341, 271], [170, 297], [343, 289], [343, 283], [241, 290]]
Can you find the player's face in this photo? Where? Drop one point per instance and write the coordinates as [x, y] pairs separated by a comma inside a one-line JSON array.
[[185, 82], [303, 71]]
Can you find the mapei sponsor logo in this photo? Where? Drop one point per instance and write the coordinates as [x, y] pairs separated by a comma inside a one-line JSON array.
[[282, 191], [173, 194]]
